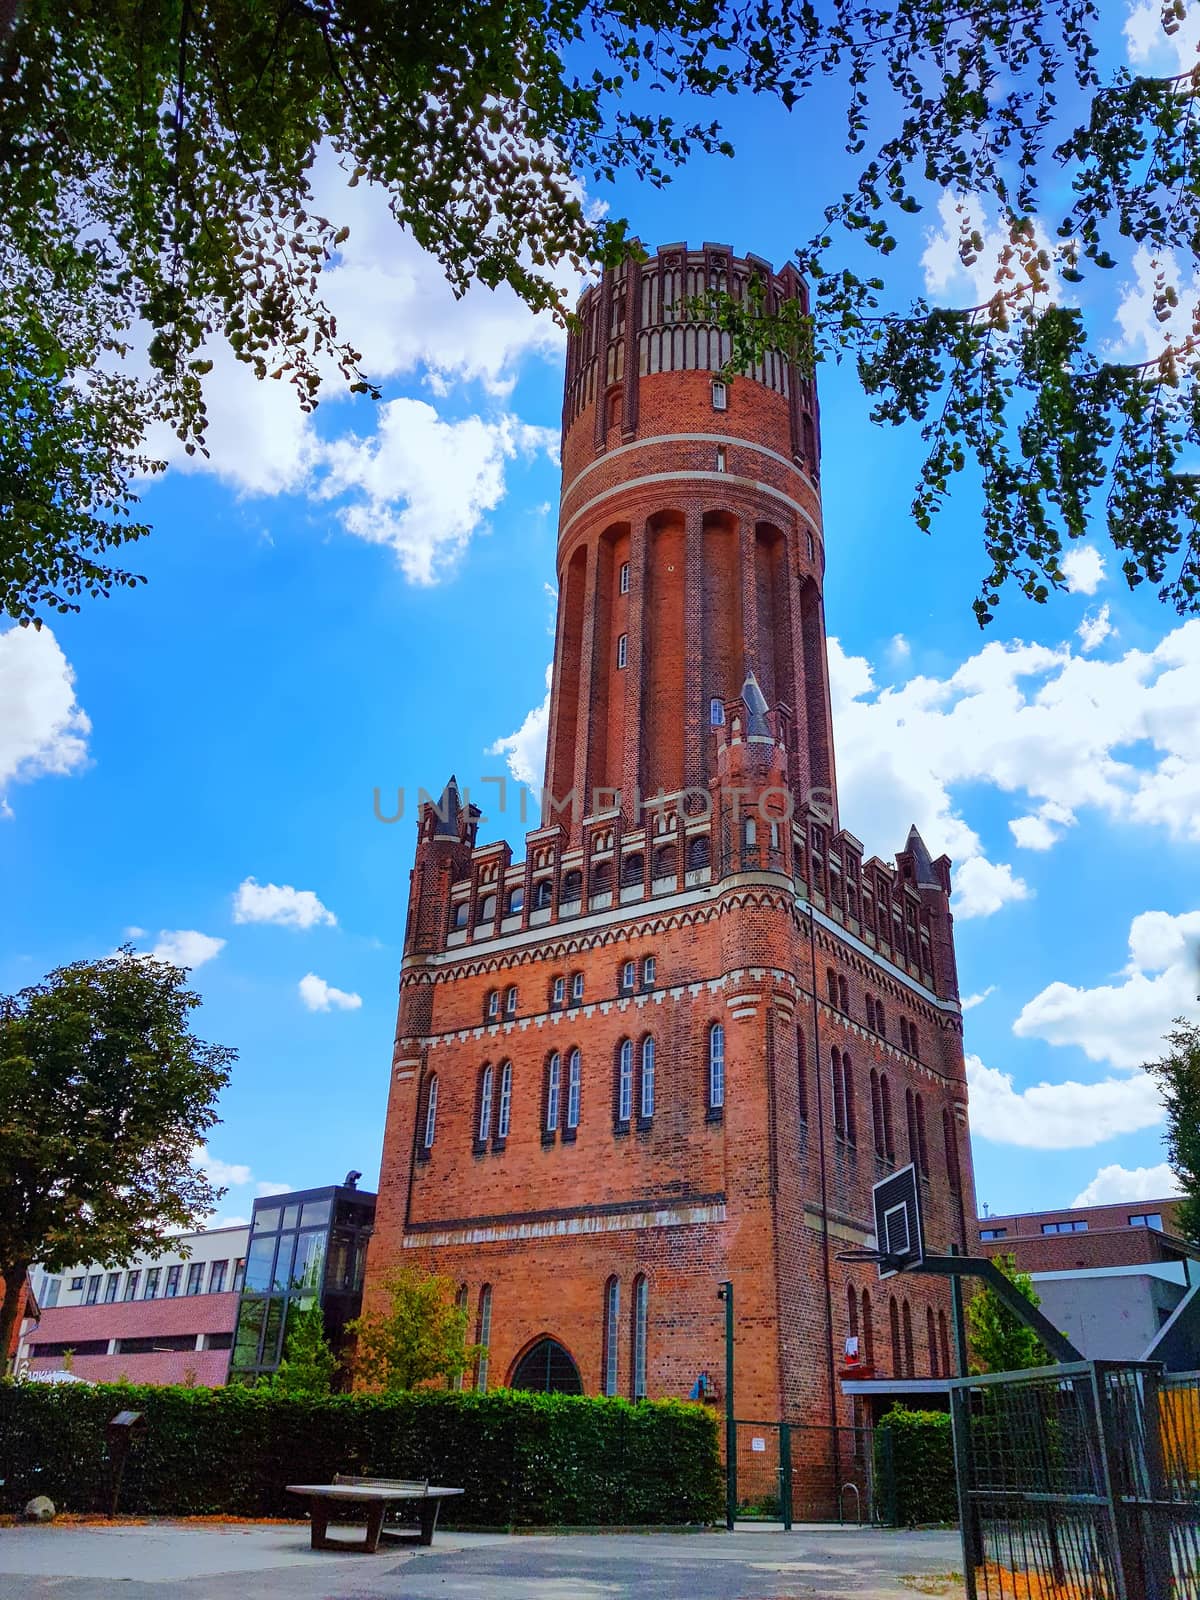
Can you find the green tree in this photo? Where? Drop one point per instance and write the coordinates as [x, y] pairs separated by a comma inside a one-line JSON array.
[[156, 165], [308, 1364], [104, 1096], [999, 1341], [1178, 1075], [421, 1336]]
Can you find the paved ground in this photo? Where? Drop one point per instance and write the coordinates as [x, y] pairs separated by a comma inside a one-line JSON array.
[[164, 1561]]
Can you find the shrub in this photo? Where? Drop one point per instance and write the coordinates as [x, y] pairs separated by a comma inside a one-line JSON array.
[[524, 1460], [914, 1467]]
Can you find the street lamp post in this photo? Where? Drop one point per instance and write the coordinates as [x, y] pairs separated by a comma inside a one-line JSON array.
[[725, 1293]]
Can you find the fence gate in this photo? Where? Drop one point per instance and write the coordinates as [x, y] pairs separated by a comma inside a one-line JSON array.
[[1079, 1482], [792, 1472]]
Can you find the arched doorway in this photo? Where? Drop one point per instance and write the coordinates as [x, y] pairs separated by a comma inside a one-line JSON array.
[[548, 1368]]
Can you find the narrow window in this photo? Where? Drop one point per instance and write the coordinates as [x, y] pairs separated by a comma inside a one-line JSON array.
[[486, 910], [195, 1277], [543, 895], [871, 1012], [510, 1001], [485, 1106], [868, 1329], [880, 1021], [559, 993], [894, 1328], [574, 1088], [831, 985], [239, 1275], [839, 1094], [431, 1095], [648, 966], [461, 1300], [504, 1114], [720, 458], [889, 1138], [647, 1085], [801, 1075], [751, 831], [484, 1336], [173, 1276], [931, 1336], [622, 650], [716, 1066], [577, 986], [131, 1281], [944, 1342], [612, 1333], [641, 1299], [922, 1141], [113, 1284], [910, 1117], [216, 1278], [625, 1080], [844, 995], [493, 1005], [812, 549], [553, 1078], [628, 975], [913, 1042], [716, 712], [93, 1291], [910, 1366], [624, 577], [462, 912], [720, 395], [516, 900], [152, 1278], [848, 1099], [877, 1113]]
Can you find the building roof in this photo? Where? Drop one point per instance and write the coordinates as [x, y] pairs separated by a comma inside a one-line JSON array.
[[447, 810], [927, 877], [756, 707]]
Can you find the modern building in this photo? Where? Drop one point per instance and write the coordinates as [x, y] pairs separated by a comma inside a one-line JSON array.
[[166, 1318], [677, 1042], [304, 1247], [1110, 1276]]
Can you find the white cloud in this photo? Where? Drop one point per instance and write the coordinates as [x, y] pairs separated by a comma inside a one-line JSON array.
[[1083, 568], [422, 485], [1114, 1184], [981, 887], [266, 1188], [998, 266], [44, 729], [1095, 628], [186, 948], [1058, 1116], [227, 1222], [1145, 318], [134, 932], [1150, 46], [1044, 829], [227, 1174], [1124, 1023], [973, 1000], [279, 903], [318, 995], [525, 750]]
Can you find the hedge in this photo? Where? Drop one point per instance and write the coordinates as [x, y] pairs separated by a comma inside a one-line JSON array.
[[914, 1467], [524, 1460]]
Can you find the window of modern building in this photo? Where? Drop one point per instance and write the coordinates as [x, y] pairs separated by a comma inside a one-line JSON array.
[[625, 1081], [93, 1290], [623, 650], [239, 1275], [510, 1000], [504, 1112], [77, 1285], [553, 1089], [51, 1288], [574, 1088], [646, 1087], [716, 1067], [612, 1333], [1146, 1219], [624, 577], [112, 1287], [484, 1125], [720, 395], [216, 1277], [993, 1233], [648, 969], [493, 1005], [558, 991], [628, 974], [431, 1100], [1077, 1226], [152, 1279], [131, 1285], [577, 986], [174, 1275], [195, 1278], [483, 1336], [716, 712], [641, 1298]]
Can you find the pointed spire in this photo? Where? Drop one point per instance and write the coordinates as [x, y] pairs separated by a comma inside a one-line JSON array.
[[756, 708], [927, 877], [447, 811]]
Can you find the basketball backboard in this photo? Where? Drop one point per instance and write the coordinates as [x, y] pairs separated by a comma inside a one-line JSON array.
[[899, 1235]]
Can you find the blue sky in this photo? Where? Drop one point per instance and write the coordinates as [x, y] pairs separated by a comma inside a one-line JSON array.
[[366, 601]]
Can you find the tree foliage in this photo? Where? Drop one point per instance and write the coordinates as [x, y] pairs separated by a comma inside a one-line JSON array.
[[420, 1337], [999, 1341], [156, 180], [1178, 1075], [309, 1364], [104, 1096]]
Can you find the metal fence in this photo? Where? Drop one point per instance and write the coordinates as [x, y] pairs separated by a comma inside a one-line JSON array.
[[1079, 1482], [790, 1473]]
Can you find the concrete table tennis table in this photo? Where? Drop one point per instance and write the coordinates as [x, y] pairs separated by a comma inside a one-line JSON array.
[[378, 1496]]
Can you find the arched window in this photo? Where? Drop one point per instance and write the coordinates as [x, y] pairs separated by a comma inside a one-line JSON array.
[[483, 1336], [623, 650], [922, 1141], [716, 1067], [628, 975], [624, 1107], [431, 1099], [553, 1089], [839, 1091], [646, 1101], [904, 1034], [894, 1326], [801, 1075], [574, 1088], [576, 986], [504, 1111], [844, 995], [877, 1114], [931, 1335], [852, 1310], [462, 913], [492, 1008], [516, 899], [601, 877], [510, 1000], [484, 1125], [648, 970], [848, 1100], [572, 887], [831, 985], [547, 1368], [486, 911], [910, 1117], [558, 990], [698, 852], [951, 1144], [612, 1333], [944, 1343], [543, 894], [868, 1328], [871, 1012], [885, 1095], [880, 1020], [664, 861], [914, 1043], [641, 1299], [910, 1366], [632, 869], [461, 1302]]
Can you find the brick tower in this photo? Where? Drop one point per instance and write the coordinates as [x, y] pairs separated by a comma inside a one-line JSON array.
[[680, 1040]]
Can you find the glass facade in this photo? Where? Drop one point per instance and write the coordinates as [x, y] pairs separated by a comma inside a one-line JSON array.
[[304, 1249]]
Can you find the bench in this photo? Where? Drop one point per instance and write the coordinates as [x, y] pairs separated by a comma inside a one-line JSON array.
[[378, 1495]]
